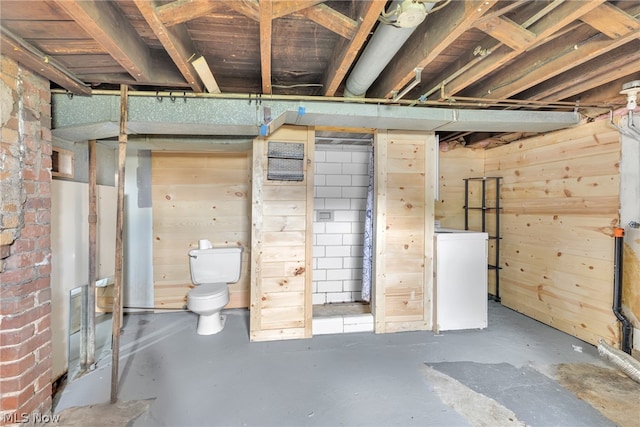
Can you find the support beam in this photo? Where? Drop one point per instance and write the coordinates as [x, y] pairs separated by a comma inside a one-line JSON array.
[[117, 291], [508, 32], [331, 20], [610, 20], [286, 7], [345, 52], [23, 53], [181, 11], [581, 47], [176, 42], [265, 44], [93, 261], [249, 8], [104, 22], [561, 16]]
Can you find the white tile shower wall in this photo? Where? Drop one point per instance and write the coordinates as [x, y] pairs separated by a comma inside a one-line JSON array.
[[341, 179]]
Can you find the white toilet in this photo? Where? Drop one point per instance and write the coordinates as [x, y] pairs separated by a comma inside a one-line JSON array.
[[211, 270]]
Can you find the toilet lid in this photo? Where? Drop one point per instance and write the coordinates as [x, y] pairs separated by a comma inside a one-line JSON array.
[[208, 290]]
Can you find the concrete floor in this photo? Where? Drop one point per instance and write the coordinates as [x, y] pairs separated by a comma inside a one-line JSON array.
[[170, 376]]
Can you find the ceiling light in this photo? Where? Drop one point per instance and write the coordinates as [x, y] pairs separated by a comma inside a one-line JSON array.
[[631, 89]]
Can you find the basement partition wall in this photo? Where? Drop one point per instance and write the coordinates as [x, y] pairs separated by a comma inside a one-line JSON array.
[[560, 198], [198, 195]]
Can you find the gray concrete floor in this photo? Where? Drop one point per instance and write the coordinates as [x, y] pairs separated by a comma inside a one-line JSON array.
[[502, 375]]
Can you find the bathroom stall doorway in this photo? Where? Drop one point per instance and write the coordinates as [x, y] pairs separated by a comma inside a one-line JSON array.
[[342, 178]]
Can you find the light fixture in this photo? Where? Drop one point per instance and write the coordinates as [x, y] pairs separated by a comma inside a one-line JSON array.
[[203, 70], [631, 89]]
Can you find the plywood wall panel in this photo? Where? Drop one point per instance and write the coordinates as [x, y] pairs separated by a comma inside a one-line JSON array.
[[198, 196], [561, 200]]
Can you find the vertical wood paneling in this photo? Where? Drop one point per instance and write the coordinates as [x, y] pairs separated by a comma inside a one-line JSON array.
[[198, 196], [561, 198], [281, 234], [404, 230]]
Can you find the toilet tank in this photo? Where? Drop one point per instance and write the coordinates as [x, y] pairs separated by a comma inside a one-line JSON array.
[[215, 265]]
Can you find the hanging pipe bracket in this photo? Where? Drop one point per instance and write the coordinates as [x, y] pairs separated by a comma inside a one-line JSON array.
[[418, 78]]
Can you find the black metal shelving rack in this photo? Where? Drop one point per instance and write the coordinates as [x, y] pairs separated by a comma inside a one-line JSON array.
[[483, 209]]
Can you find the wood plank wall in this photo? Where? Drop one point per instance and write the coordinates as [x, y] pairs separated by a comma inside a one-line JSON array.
[[561, 200], [454, 166], [282, 233], [198, 196], [403, 249]]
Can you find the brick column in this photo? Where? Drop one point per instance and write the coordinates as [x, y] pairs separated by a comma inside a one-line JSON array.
[[25, 246]]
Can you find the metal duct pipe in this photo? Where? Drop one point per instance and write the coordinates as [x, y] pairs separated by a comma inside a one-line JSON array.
[[384, 44], [626, 363], [627, 329]]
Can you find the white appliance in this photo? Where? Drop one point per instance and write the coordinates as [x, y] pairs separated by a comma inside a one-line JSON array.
[[460, 291]]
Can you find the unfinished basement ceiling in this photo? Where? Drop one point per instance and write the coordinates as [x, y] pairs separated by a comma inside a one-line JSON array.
[[489, 54]]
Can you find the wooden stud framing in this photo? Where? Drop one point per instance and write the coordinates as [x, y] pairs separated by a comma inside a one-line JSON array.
[[117, 306]]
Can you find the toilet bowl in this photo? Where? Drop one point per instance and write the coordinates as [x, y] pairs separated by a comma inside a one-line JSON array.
[[208, 301], [211, 270]]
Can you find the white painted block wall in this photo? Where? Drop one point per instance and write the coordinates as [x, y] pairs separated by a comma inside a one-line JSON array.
[[341, 179]]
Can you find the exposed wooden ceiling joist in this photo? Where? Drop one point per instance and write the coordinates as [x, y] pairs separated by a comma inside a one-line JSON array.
[[104, 23], [427, 42], [508, 32], [285, 7], [23, 53], [249, 8], [563, 15], [346, 51], [611, 21], [265, 44], [181, 11], [176, 42], [597, 72], [554, 58], [331, 19]]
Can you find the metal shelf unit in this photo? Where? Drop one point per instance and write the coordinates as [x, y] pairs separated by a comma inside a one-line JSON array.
[[483, 209]]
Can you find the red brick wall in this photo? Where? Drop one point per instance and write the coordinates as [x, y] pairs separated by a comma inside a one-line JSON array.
[[25, 246]]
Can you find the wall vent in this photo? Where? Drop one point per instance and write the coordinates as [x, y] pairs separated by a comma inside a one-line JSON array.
[[285, 161]]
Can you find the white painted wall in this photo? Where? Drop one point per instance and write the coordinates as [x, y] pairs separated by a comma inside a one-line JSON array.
[[138, 228], [70, 253], [341, 179]]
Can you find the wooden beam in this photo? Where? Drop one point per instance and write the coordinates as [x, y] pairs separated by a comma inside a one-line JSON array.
[[117, 288], [427, 43], [265, 44], [249, 8], [611, 21], [508, 32], [103, 22], [561, 16], [22, 52], [597, 72], [331, 20], [181, 11], [286, 7], [345, 51], [93, 257], [581, 46], [176, 42]]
